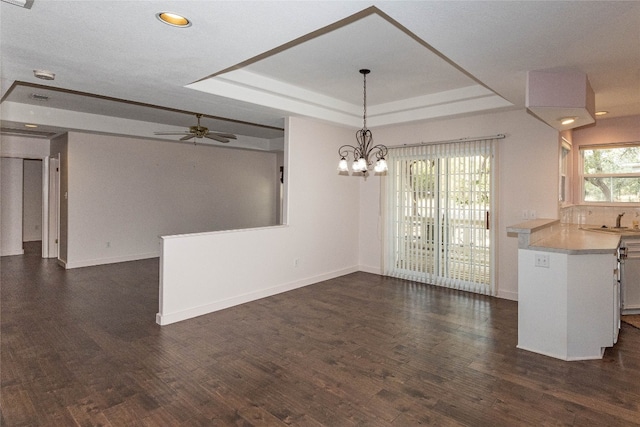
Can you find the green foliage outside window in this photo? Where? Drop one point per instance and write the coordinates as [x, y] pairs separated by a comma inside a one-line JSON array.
[[470, 184], [611, 174]]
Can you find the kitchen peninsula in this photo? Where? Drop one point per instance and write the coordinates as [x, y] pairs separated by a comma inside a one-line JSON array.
[[568, 290]]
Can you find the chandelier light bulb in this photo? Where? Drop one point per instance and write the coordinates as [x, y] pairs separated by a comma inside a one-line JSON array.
[[381, 165], [359, 165], [343, 166], [362, 164]]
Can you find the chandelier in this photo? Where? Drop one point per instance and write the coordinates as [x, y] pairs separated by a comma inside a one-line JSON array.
[[365, 152]]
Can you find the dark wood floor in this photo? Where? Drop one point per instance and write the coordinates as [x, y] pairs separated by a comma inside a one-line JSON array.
[[80, 347]]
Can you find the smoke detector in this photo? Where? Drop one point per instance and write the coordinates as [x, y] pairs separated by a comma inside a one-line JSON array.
[[39, 97], [44, 75]]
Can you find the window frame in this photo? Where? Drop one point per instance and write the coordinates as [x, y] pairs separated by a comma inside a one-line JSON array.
[[581, 174], [565, 176]]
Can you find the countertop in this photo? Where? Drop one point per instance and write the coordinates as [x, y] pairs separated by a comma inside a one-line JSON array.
[[551, 236], [572, 240]]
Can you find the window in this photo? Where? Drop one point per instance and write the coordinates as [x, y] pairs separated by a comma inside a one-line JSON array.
[[564, 193], [565, 185], [610, 174]]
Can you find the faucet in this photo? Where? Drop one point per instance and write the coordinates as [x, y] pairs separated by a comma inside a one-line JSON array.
[[618, 220]]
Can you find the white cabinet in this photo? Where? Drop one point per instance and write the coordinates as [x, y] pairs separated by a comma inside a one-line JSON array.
[[630, 275], [567, 304]]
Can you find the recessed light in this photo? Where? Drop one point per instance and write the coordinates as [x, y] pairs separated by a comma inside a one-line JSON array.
[[567, 120], [28, 125], [173, 19], [601, 113]]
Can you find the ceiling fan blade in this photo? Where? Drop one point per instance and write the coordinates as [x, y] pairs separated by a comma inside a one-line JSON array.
[[199, 131], [216, 138], [224, 135]]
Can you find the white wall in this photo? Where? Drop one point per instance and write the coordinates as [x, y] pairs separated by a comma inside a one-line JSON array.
[[24, 147], [11, 171], [620, 129], [32, 201], [123, 193], [371, 221], [527, 172], [210, 271]]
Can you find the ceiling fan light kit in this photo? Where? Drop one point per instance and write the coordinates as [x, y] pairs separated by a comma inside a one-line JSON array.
[[44, 74], [198, 131]]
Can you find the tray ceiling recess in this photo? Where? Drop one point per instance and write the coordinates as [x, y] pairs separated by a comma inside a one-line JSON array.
[[317, 76], [58, 110]]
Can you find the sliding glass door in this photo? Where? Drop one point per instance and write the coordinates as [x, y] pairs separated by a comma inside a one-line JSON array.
[[439, 204]]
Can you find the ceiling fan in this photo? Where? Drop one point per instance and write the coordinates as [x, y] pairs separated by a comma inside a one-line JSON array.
[[200, 132]]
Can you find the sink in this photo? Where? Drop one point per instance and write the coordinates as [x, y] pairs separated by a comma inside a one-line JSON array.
[[616, 230], [605, 230]]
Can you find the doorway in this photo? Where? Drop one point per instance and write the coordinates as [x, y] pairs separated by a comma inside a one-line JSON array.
[[32, 201], [28, 205]]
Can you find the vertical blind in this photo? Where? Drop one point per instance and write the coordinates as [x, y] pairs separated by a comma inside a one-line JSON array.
[[439, 200]]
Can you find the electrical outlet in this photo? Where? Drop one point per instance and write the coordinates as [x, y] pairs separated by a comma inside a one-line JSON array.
[[525, 214], [296, 262], [542, 260], [533, 214], [108, 244]]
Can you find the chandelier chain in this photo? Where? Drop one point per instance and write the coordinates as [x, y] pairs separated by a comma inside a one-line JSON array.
[[364, 115]]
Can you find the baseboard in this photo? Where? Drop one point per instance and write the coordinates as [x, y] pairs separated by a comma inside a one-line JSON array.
[[510, 295], [595, 356], [370, 269], [101, 261], [168, 318], [12, 252], [544, 353]]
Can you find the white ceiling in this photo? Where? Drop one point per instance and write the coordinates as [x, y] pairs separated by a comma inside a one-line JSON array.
[[259, 61]]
